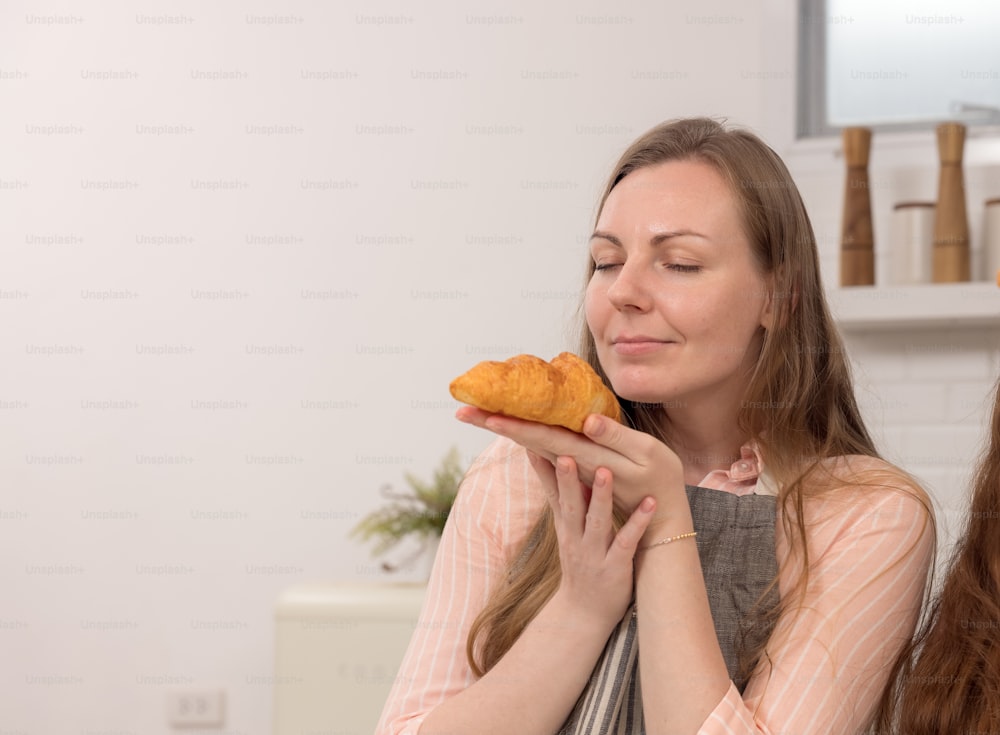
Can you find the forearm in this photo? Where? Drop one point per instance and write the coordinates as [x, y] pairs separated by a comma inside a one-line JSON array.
[[683, 673], [533, 687]]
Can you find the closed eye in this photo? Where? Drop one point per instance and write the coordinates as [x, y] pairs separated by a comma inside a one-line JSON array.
[[683, 267]]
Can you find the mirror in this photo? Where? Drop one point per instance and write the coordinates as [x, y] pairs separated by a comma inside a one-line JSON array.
[[895, 65]]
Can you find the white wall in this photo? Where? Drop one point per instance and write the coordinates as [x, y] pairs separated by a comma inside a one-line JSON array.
[[245, 248], [220, 339]]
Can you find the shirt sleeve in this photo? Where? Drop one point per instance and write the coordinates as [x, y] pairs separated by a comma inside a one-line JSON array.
[[829, 657], [497, 504]]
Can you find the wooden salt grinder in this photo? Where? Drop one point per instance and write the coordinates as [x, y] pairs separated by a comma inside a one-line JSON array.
[[857, 246], [951, 221]]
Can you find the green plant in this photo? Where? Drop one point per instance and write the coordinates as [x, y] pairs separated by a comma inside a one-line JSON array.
[[421, 512]]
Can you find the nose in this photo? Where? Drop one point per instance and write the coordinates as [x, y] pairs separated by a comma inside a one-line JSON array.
[[630, 289]]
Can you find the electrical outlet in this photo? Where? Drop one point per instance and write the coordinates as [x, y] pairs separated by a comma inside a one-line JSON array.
[[196, 708]]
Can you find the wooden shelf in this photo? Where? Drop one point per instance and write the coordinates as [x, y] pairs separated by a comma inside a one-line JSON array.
[[927, 306]]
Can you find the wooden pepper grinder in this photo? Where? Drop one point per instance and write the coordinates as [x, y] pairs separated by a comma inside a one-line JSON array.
[[857, 246], [951, 221]]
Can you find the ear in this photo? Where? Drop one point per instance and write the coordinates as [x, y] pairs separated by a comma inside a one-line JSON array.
[[769, 312], [773, 306]]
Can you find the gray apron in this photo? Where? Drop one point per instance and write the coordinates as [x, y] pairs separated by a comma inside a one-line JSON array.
[[736, 547]]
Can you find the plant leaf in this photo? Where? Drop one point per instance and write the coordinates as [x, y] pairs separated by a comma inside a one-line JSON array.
[[423, 511]]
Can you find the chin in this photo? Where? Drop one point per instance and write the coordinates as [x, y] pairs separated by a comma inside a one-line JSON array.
[[639, 386], [639, 395]]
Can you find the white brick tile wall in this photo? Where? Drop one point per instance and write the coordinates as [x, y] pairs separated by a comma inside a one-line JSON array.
[[905, 402], [873, 359], [889, 440], [940, 445], [969, 401], [949, 357], [923, 355]]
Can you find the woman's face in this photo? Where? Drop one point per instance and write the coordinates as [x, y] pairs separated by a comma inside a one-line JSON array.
[[677, 302]]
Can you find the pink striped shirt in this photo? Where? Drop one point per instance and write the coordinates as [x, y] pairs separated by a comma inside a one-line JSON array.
[[869, 553]]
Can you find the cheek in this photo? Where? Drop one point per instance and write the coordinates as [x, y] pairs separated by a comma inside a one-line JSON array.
[[728, 324], [592, 301], [742, 329], [741, 301]]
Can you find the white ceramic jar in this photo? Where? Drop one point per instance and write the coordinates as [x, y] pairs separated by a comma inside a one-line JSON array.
[[911, 243]]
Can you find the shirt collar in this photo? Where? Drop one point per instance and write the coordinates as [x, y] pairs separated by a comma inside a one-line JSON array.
[[745, 476]]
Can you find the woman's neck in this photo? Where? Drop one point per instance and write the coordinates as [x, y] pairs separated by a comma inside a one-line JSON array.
[[703, 444]]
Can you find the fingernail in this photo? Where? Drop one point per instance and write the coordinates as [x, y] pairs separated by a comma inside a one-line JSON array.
[[562, 465], [648, 505], [594, 426]]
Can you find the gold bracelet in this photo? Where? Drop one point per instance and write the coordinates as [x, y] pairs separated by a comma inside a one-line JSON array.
[[667, 540]]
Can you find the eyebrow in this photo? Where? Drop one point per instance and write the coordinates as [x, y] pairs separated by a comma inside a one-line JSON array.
[[657, 239]]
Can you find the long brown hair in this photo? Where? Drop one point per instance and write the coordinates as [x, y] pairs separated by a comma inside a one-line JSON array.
[[951, 684], [799, 407]]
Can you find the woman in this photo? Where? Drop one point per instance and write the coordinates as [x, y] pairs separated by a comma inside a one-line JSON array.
[[954, 684], [740, 532]]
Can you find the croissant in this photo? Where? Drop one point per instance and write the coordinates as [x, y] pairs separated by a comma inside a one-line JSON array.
[[562, 392]]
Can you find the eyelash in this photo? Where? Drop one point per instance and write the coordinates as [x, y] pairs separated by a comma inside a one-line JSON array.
[[677, 267]]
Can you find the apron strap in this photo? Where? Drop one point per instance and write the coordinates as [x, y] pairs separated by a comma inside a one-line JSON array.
[[611, 704]]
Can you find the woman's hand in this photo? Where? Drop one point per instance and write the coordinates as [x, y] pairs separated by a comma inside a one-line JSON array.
[[596, 561], [640, 464]]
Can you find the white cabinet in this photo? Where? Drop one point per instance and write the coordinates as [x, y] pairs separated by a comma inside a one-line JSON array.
[[337, 650]]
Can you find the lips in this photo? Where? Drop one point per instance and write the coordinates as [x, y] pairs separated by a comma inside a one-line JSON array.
[[628, 339], [638, 344]]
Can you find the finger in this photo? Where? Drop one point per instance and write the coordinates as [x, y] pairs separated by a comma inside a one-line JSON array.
[[495, 422], [472, 415], [611, 434], [549, 441], [627, 539], [572, 508], [538, 461], [544, 439], [637, 448], [547, 476], [599, 524], [532, 435]]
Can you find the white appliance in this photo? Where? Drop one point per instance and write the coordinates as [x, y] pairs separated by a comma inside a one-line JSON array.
[[337, 650]]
